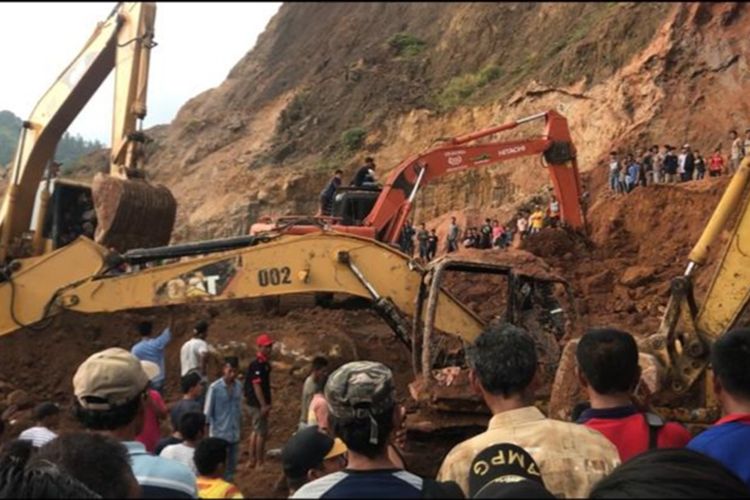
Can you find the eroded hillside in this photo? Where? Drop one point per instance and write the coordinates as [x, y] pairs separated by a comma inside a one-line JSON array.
[[399, 76]]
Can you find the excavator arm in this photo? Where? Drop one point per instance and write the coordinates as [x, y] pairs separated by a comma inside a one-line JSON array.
[[676, 357], [76, 278], [462, 153], [687, 331], [123, 41]]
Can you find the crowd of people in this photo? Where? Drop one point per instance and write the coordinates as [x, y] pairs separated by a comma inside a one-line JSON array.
[[664, 165], [491, 234], [351, 433]]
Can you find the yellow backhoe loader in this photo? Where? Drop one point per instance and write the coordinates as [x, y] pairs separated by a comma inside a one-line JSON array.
[[121, 198], [674, 360]]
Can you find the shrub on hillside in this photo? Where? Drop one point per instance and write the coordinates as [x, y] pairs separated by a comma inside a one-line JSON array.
[[406, 44], [354, 138]]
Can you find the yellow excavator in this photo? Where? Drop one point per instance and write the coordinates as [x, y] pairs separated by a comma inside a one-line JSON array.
[[675, 359], [113, 208]]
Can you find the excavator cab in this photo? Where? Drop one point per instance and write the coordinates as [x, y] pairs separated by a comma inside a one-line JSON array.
[[352, 205], [70, 214], [514, 289]]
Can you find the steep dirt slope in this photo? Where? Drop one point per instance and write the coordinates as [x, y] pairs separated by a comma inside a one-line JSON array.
[[266, 140]]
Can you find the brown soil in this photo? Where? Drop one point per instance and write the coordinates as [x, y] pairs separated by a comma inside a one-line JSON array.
[[638, 243], [620, 277]]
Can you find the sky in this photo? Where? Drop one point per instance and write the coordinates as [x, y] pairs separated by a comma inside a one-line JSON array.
[[198, 44]]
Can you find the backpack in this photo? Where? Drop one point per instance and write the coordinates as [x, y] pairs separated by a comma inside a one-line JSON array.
[[655, 423]]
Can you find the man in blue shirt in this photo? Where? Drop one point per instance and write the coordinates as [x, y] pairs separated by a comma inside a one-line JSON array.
[[224, 412], [152, 349], [727, 440], [110, 396], [329, 192]]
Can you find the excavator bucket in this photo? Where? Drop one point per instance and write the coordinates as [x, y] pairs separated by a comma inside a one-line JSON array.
[[132, 213]]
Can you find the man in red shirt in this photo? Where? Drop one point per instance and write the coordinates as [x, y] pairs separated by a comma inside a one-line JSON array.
[[258, 395], [609, 372], [715, 164]]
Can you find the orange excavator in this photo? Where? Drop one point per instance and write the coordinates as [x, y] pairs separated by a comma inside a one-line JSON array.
[[381, 213]]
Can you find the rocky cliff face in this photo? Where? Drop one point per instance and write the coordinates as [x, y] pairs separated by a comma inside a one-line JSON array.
[[330, 83]]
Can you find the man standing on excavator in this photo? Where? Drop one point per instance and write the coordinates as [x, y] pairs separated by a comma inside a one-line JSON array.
[[328, 193], [365, 176]]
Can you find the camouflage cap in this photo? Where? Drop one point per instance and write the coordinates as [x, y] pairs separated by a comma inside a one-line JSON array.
[[360, 388]]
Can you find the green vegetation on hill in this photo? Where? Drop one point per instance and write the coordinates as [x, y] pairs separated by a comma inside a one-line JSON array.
[[70, 149]]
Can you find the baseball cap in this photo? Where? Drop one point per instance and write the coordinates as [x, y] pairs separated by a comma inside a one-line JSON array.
[[360, 390], [505, 471], [307, 449], [112, 376], [263, 340]]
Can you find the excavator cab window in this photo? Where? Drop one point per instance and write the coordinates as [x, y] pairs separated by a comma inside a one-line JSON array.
[[354, 205], [70, 214]]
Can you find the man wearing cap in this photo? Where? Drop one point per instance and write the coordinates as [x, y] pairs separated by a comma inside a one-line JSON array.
[[503, 369], [111, 390], [224, 412], [46, 417], [310, 454], [258, 395], [364, 414]]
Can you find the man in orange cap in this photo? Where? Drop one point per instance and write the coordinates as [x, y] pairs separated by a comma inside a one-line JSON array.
[[258, 395]]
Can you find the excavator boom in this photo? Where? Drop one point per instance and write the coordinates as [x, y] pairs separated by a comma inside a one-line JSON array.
[[75, 278], [394, 203]]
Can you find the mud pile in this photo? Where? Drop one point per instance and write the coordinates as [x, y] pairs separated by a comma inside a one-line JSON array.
[[639, 242]]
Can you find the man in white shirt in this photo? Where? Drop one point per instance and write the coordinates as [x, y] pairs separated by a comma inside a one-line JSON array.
[[194, 357], [46, 416], [193, 354], [192, 427]]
